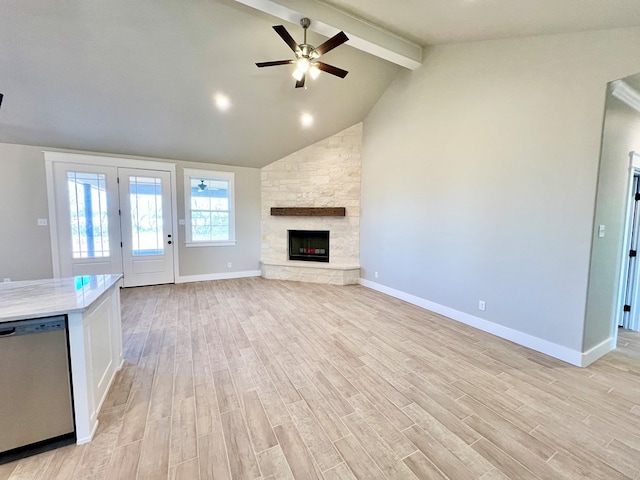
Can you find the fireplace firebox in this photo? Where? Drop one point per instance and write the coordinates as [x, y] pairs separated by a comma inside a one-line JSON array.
[[309, 245]]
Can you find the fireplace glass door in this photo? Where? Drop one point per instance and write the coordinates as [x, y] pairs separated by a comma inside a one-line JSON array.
[[309, 245]]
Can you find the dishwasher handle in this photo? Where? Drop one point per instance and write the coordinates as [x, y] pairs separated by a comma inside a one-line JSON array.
[[7, 332]]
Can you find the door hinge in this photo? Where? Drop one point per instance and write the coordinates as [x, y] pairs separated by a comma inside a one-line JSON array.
[[119, 212], [120, 244], [632, 253], [626, 308], [637, 197], [117, 179]]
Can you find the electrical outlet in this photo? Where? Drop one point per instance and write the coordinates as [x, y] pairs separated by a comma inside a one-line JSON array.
[[481, 305], [6, 279], [229, 265], [375, 274]]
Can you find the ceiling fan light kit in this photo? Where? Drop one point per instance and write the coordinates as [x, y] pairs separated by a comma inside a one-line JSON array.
[[307, 55]]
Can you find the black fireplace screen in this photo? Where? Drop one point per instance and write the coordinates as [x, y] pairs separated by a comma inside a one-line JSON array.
[[309, 245]]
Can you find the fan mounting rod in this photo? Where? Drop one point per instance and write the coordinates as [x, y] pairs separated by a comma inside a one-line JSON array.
[[304, 23]]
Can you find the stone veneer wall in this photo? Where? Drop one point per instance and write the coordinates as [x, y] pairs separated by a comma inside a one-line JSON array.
[[325, 174]]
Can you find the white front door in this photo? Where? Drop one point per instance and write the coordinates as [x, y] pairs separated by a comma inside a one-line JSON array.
[[146, 225], [113, 220], [86, 204]]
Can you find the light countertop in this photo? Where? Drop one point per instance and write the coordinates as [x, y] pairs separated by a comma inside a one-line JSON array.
[[55, 296]]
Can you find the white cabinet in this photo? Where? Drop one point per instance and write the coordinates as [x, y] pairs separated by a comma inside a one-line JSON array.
[[95, 341]]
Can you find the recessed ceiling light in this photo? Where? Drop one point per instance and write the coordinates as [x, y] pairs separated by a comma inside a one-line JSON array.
[[306, 119], [222, 101]]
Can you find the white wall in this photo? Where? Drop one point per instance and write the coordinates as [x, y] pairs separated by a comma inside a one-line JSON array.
[[479, 178], [621, 135], [25, 251], [245, 255]]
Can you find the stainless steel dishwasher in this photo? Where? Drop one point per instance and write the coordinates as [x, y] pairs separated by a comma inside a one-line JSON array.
[[36, 406]]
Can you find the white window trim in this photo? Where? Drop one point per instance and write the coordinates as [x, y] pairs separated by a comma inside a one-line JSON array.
[[191, 173]]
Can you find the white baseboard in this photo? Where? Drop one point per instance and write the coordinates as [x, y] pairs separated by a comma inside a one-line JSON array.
[[218, 276], [83, 440], [560, 352], [594, 353]]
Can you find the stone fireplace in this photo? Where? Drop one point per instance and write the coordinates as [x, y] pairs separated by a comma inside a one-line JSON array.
[[323, 176]]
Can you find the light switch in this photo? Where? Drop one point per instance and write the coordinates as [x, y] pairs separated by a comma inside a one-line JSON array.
[[42, 222], [600, 231]]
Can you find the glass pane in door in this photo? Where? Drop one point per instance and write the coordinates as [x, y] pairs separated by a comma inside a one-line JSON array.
[[89, 219], [145, 194]]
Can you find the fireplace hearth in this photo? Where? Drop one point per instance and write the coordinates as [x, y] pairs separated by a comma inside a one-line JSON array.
[[309, 245]]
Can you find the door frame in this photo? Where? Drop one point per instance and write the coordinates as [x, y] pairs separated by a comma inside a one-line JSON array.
[[623, 261], [97, 160]]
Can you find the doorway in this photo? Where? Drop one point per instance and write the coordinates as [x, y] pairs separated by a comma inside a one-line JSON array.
[[629, 317], [111, 219], [611, 266]]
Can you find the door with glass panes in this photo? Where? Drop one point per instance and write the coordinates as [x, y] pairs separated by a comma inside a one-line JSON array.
[[147, 240], [108, 227], [88, 224]]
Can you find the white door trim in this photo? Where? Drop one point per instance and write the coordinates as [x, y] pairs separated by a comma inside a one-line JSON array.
[[634, 167], [86, 159]]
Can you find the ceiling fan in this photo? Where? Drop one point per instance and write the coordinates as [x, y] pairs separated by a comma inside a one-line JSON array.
[[306, 60]]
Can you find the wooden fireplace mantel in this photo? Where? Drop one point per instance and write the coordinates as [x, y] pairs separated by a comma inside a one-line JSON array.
[[309, 211]]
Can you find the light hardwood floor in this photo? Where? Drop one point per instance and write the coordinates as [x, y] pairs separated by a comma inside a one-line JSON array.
[[256, 379]]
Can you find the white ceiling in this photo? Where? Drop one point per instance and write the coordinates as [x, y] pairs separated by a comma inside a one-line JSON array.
[[138, 77], [430, 22]]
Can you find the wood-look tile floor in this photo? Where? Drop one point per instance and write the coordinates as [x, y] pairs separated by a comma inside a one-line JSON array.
[[255, 379]]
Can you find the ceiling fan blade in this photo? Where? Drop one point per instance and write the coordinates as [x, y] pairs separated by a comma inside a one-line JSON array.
[[335, 41], [286, 36], [273, 64], [300, 83], [338, 72]]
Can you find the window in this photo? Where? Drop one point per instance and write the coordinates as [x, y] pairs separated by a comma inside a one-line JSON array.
[[209, 205], [88, 208], [145, 197]]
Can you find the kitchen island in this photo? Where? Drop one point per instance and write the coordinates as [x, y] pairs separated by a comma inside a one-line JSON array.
[[91, 305]]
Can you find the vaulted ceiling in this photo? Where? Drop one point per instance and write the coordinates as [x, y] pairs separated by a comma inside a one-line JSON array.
[[138, 77]]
